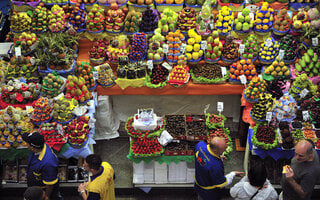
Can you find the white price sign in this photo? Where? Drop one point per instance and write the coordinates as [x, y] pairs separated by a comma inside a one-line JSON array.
[[206, 108], [167, 66], [150, 64], [304, 93], [203, 45], [95, 75], [243, 79], [165, 48], [220, 107], [269, 116], [280, 115], [241, 48], [305, 115], [32, 60], [281, 54], [183, 48], [17, 51], [211, 26], [268, 42], [60, 129], [260, 76], [223, 71], [315, 41]]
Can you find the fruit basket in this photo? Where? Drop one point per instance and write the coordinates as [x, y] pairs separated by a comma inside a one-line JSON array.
[[224, 133], [21, 6], [264, 136], [215, 121]]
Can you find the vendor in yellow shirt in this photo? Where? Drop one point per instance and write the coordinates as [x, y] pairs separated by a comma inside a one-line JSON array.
[[101, 184]]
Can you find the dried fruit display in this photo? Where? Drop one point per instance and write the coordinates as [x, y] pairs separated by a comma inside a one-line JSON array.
[[42, 110], [224, 21], [95, 19], [52, 85], [146, 147], [78, 131], [39, 20], [132, 22], [176, 148], [215, 121], [264, 18], [187, 19], [261, 107], [214, 47], [75, 88], [62, 110], [208, 74], [242, 67], [264, 137], [256, 87], [176, 126], [224, 133], [20, 22], [52, 133]]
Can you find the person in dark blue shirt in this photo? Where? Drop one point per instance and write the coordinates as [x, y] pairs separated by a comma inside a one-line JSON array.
[[42, 165], [209, 175]]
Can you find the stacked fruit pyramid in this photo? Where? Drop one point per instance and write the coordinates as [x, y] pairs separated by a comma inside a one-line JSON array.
[[57, 19], [39, 19], [179, 75], [277, 68], [20, 22], [256, 87], [85, 70], [78, 131], [214, 47], [187, 19], [282, 22], [251, 48], [224, 21], [261, 107], [309, 64], [242, 67], [194, 53], [42, 110], [76, 88], [264, 18], [138, 50], [174, 41], [95, 19], [62, 110], [243, 23], [269, 49]]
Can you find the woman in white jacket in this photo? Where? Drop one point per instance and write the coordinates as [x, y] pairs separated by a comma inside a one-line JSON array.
[[254, 186]]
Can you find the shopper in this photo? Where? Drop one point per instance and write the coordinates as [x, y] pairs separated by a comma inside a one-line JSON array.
[[255, 186], [34, 193], [101, 184], [42, 165], [209, 175], [299, 178]]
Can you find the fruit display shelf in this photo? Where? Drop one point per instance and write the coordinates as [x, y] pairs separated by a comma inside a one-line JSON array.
[[215, 121]]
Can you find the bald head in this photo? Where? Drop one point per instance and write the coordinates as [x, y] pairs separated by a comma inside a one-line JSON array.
[[303, 151], [218, 145]]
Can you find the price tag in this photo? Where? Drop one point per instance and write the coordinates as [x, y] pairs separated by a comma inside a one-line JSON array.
[[223, 71], [95, 75], [17, 51], [243, 79], [241, 48], [165, 48], [203, 45], [260, 76], [150, 64], [206, 108], [315, 41], [304, 93], [211, 26], [183, 48], [268, 42], [32, 60], [60, 129], [220, 106], [281, 54], [280, 115], [305, 115], [178, 141], [269, 116], [167, 66]]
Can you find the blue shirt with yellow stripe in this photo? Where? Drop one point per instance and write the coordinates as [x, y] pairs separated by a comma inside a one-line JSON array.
[[209, 175], [42, 168]]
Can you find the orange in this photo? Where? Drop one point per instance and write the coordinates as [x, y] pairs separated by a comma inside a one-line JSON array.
[[170, 46], [249, 77], [233, 76], [170, 39], [238, 78], [253, 72], [176, 45], [176, 34], [170, 51], [170, 34], [176, 39], [239, 67], [242, 62], [181, 36], [178, 31], [247, 72], [244, 67], [231, 70], [248, 61], [176, 51], [175, 58], [236, 72], [241, 72], [170, 57], [250, 67]]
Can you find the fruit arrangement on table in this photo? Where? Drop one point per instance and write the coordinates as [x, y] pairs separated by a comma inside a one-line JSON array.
[[269, 50], [22, 67], [155, 50], [194, 52], [106, 76], [85, 70], [214, 47], [62, 110], [312, 106], [115, 18], [256, 87], [168, 20], [287, 106], [145, 147], [141, 3], [263, 19], [52, 85], [119, 47], [57, 19], [76, 88], [18, 93], [176, 149], [290, 46], [135, 70], [20, 22], [261, 107], [158, 77], [26, 42], [244, 23], [215, 121], [300, 83], [138, 50], [282, 22], [309, 64], [174, 41], [98, 51], [78, 131], [39, 19], [52, 133], [206, 73], [276, 87], [136, 133], [186, 19], [300, 21], [42, 110], [149, 21], [242, 67], [230, 51], [264, 136], [76, 15], [287, 140], [224, 21], [95, 19], [277, 69], [132, 22], [251, 48], [179, 75], [196, 127]]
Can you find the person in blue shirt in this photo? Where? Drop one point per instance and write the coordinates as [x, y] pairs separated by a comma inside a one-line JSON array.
[[42, 165], [209, 174]]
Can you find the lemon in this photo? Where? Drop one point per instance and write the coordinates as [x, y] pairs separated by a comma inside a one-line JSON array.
[[263, 57], [189, 48], [224, 30], [269, 53], [196, 47], [198, 38], [200, 53], [225, 24], [189, 56], [191, 41], [195, 55]]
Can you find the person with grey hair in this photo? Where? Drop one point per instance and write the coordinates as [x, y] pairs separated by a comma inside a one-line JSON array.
[[299, 178], [34, 193]]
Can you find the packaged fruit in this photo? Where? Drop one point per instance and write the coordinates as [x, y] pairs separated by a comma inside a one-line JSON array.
[[39, 21], [282, 22], [106, 76], [168, 20], [309, 64], [256, 87], [263, 19], [287, 106], [174, 42], [95, 19], [57, 19], [214, 47], [277, 68], [52, 85], [187, 19], [224, 21], [20, 22], [149, 21], [244, 22], [132, 22], [251, 48], [194, 52], [242, 67], [115, 19], [268, 51]]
